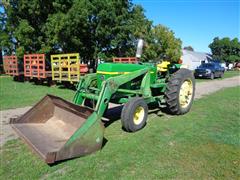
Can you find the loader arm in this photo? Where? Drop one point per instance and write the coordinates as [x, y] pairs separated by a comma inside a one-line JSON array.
[[83, 85], [109, 87]]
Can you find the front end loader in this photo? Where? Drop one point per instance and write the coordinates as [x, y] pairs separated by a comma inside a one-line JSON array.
[[57, 129]]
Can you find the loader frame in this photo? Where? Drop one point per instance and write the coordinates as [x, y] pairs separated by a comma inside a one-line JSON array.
[[110, 87]]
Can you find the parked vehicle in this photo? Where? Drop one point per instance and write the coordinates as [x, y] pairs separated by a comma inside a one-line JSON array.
[[222, 64], [209, 70]]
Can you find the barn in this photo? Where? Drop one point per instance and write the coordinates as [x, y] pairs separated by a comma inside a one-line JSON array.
[[193, 59]]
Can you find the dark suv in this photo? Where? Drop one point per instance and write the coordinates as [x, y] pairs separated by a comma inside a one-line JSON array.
[[209, 70]]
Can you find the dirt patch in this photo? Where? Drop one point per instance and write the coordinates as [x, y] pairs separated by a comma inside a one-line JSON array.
[[202, 89], [6, 130], [205, 88]]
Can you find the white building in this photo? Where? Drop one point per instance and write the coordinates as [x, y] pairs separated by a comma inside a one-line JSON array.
[[194, 59]]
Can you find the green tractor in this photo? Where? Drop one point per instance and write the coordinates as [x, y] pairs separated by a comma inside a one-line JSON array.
[[57, 129], [136, 86]]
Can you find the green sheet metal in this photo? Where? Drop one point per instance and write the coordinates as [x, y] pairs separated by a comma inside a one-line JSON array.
[[108, 70]]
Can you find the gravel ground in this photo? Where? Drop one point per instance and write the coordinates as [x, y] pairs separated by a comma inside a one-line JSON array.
[[208, 87], [202, 89], [6, 132]]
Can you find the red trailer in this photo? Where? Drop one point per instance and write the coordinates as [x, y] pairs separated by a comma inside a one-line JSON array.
[[131, 60], [35, 67], [11, 67], [83, 69]]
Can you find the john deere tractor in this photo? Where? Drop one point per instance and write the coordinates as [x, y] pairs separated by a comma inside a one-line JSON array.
[[57, 129]]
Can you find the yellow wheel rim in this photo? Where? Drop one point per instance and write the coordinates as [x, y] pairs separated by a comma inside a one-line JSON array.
[[138, 115], [185, 94]]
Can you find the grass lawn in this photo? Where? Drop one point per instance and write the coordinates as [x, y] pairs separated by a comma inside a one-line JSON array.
[[18, 94], [227, 74], [203, 144]]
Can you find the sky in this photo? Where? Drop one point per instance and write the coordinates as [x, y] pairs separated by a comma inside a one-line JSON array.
[[195, 22]]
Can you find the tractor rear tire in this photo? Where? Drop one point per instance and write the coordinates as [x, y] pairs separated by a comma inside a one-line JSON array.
[[180, 92], [134, 114]]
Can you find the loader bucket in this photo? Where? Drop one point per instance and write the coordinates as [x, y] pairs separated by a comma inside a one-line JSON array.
[[57, 129]]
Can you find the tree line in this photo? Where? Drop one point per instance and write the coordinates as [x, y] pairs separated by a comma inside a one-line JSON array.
[[97, 29], [225, 49], [94, 28]]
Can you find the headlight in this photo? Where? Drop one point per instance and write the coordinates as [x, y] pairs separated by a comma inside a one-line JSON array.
[[208, 71]]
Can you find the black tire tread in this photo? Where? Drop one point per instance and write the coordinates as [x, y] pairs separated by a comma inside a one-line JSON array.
[[127, 111], [173, 88]]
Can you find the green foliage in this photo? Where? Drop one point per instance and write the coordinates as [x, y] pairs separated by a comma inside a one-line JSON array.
[[84, 26], [5, 40], [162, 45], [104, 27], [226, 49], [25, 24], [91, 27]]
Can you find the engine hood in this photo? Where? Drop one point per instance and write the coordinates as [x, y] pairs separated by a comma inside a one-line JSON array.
[[107, 68]]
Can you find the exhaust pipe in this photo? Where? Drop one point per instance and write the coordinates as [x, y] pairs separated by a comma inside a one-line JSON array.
[[139, 48]]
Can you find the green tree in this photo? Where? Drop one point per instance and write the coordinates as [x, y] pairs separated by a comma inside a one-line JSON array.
[[6, 43], [162, 45], [92, 27], [26, 21], [98, 28], [225, 49]]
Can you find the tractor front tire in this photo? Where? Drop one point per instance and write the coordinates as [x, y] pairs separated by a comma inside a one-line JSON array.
[[180, 92], [134, 114]]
